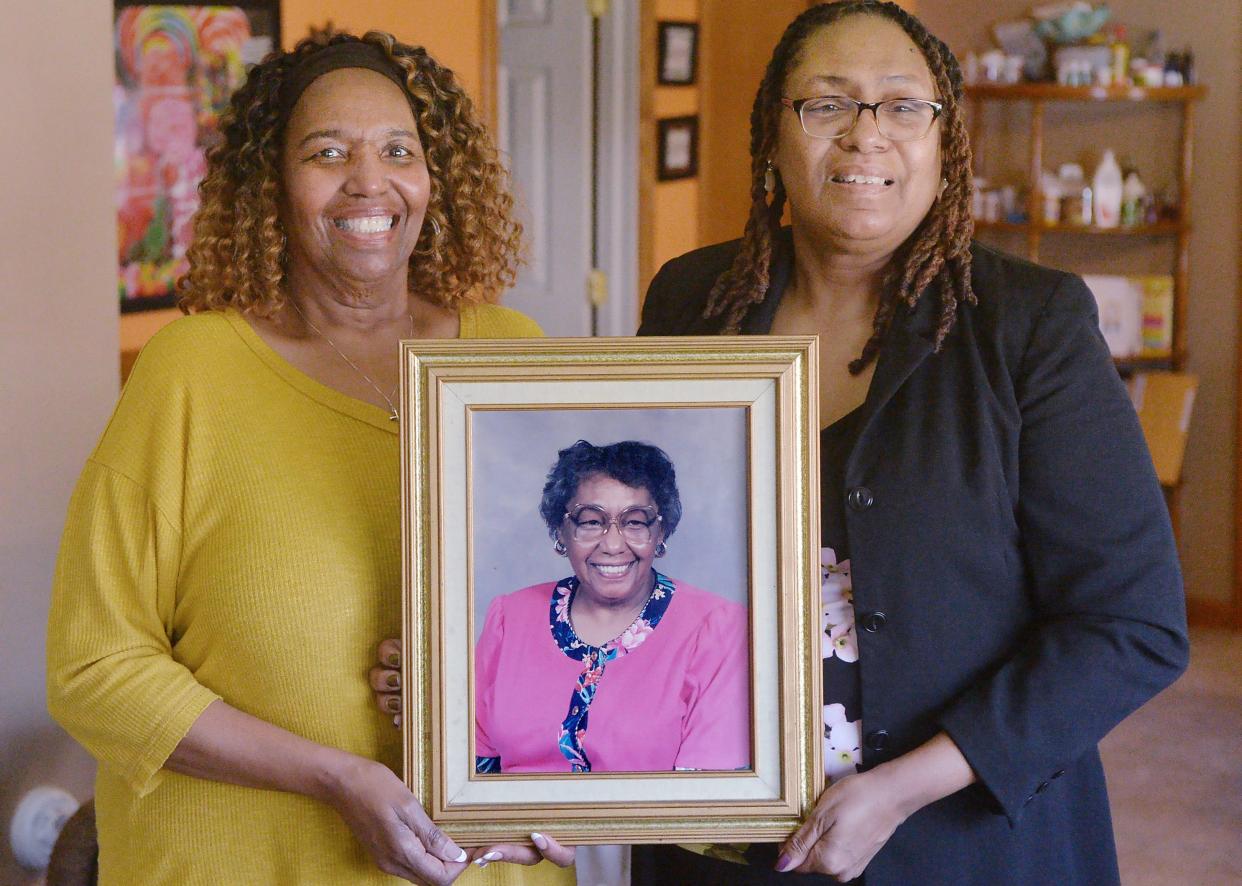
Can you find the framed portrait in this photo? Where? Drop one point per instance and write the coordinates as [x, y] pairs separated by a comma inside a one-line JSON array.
[[678, 58], [611, 587], [678, 148], [177, 66]]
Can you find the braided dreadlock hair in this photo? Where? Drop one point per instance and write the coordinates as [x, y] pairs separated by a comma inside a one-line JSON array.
[[939, 249]]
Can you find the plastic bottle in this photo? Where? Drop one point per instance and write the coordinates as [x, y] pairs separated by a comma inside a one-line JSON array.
[[1120, 56], [1107, 187], [1133, 193]]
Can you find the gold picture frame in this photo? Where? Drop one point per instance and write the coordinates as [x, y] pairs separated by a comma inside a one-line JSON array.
[[453, 393]]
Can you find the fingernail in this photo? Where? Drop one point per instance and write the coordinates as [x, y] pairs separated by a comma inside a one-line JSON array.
[[393, 704], [462, 857], [394, 681], [539, 840], [489, 857], [396, 721], [394, 660], [784, 863]]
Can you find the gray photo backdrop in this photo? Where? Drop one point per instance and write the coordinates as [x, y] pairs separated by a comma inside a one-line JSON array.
[[512, 451]]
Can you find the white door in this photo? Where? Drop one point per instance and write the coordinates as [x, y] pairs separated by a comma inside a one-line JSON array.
[[545, 103]]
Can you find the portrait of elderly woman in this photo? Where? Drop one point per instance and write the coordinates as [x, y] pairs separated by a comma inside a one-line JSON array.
[[232, 551], [616, 667]]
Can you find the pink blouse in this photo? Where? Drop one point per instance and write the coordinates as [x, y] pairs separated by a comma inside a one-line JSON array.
[[680, 700]]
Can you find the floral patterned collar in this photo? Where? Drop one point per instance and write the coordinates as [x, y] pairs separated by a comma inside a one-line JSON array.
[[594, 658]]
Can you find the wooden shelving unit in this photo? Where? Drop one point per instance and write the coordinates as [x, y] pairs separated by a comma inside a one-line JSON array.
[[1039, 96]]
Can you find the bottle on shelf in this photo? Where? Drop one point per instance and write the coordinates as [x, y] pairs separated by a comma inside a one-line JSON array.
[[1107, 187], [1075, 195], [1120, 56], [1133, 197]]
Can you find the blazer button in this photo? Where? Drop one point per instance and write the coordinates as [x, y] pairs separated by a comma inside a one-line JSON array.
[[860, 498], [873, 621], [877, 740]]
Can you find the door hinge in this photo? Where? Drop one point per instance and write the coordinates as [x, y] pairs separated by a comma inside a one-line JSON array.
[[597, 287], [597, 8]]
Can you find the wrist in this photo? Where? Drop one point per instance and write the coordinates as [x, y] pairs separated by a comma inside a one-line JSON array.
[[334, 772]]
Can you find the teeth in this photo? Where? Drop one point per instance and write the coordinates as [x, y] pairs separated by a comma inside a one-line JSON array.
[[373, 224], [612, 570], [861, 179]]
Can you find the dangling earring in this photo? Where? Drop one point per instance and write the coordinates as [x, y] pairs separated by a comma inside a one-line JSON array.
[[661, 549], [435, 225], [560, 548], [769, 178], [944, 184]]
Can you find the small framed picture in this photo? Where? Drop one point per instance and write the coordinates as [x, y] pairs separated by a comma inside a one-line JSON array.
[[611, 592], [678, 150], [679, 53]]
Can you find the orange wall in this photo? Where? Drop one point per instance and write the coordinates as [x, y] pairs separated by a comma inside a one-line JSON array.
[[674, 225], [454, 37], [738, 39]]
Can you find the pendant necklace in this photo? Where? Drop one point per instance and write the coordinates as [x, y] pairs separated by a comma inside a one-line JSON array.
[[388, 398]]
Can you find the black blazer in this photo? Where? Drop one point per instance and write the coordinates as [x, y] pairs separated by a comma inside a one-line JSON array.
[[1003, 514]]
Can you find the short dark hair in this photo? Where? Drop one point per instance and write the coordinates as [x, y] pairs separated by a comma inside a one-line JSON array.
[[636, 464]]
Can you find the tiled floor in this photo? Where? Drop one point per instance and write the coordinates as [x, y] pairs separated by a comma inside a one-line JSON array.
[[1175, 774]]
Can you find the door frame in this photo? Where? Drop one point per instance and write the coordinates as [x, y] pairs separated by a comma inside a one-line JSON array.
[[620, 193]]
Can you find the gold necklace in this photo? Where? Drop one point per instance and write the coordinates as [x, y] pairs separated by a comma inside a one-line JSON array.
[[392, 409]]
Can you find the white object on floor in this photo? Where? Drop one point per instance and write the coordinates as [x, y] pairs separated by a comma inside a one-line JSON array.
[[40, 815]]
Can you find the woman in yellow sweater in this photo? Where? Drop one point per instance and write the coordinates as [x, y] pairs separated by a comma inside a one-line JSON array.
[[233, 546]]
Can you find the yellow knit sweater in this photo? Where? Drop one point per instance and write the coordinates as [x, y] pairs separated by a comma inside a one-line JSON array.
[[235, 535]]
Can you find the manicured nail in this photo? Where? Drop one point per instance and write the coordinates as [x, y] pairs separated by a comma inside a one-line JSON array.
[[396, 721], [459, 859], [394, 680], [539, 840], [394, 660], [488, 859], [393, 704], [783, 863]]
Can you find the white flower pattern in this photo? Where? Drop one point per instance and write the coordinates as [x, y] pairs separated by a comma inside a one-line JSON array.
[[837, 607], [842, 743], [842, 737]]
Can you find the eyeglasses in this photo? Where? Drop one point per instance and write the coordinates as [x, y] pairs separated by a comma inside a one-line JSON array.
[[591, 523], [833, 116]]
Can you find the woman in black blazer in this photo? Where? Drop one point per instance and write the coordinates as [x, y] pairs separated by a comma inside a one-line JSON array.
[[1000, 583], [989, 503]]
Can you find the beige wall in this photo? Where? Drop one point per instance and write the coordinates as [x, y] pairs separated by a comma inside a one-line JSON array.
[[58, 333], [1214, 29]]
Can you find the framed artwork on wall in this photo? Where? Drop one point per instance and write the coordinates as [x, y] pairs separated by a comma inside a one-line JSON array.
[[677, 143], [177, 65], [540, 477], [678, 53]]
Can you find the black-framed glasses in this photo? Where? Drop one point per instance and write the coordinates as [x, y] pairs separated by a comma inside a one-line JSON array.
[[897, 119], [591, 523]]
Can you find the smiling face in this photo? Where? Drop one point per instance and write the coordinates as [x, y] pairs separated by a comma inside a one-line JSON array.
[[860, 193], [613, 572], [355, 181]]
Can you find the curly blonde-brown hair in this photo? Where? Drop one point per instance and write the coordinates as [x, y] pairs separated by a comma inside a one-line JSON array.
[[937, 253], [237, 257]]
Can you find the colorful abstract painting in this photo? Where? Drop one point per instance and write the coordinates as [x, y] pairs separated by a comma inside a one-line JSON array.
[[176, 68]]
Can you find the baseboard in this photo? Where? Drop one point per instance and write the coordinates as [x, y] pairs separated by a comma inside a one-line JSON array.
[[1212, 614]]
